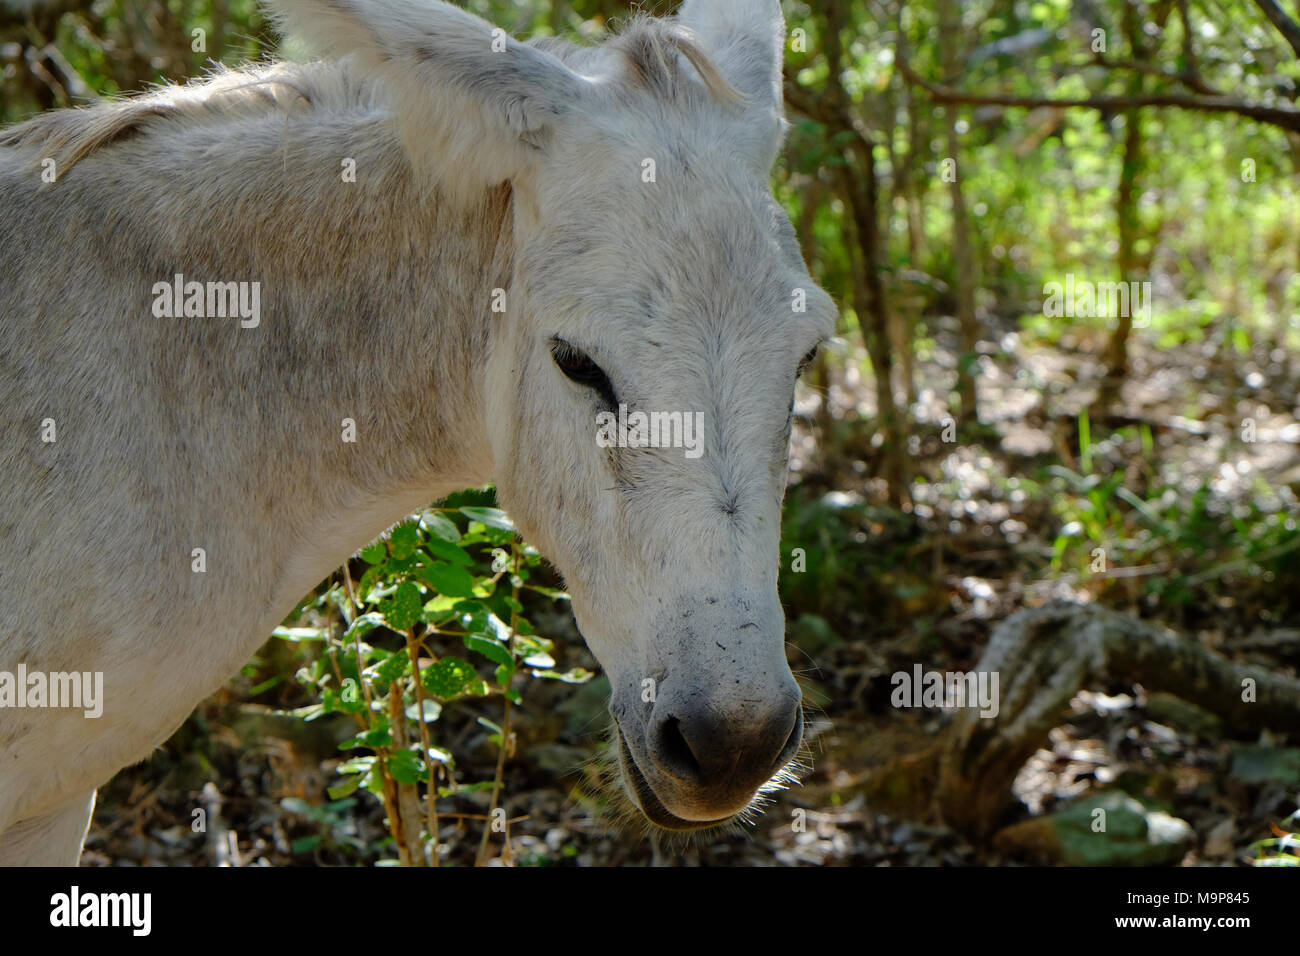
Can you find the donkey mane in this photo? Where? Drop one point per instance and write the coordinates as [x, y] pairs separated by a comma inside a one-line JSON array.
[[650, 48], [69, 136]]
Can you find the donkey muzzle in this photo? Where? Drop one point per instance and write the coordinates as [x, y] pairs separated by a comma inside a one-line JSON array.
[[700, 758]]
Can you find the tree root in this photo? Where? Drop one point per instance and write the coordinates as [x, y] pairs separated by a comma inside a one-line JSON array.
[[1044, 656]]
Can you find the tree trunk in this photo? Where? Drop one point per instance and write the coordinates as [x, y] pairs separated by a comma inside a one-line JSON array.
[[858, 184], [962, 256], [1127, 215]]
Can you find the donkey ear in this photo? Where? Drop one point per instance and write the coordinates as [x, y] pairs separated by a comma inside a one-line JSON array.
[[470, 101], [747, 41]]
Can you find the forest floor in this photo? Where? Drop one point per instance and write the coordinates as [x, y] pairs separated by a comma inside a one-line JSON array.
[[1013, 522]]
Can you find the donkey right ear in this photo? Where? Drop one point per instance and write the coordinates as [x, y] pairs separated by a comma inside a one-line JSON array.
[[470, 101]]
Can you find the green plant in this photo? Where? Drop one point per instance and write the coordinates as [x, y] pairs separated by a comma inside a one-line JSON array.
[[331, 821], [435, 618], [1182, 545], [1282, 849]]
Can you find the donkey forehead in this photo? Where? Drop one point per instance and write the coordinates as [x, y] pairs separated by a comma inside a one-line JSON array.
[[656, 198], [708, 265], [635, 138]]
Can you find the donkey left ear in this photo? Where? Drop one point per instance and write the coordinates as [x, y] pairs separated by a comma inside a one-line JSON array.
[[468, 99], [747, 40]]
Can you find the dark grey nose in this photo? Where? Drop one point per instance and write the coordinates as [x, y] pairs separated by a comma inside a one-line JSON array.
[[721, 752]]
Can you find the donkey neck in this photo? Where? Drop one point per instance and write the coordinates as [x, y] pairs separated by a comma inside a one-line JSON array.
[[187, 434], [358, 397], [383, 320]]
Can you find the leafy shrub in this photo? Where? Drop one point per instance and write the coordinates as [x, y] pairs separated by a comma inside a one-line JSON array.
[[434, 618]]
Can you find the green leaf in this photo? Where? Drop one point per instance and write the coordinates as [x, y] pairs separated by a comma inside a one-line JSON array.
[[380, 591], [439, 609], [449, 552], [448, 579], [432, 711], [448, 677], [403, 609], [369, 579], [577, 675], [265, 685], [296, 634], [393, 667], [489, 649], [358, 764], [530, 645], [1085, 441], [375, 552], [404, 766], [404, 540], [553, 593], [362, 625], [1240, 339], [440, 526], [492, 517], [490, 626], [466, 788], [400, 566], [310, 712], [347, 787], [378, 737]]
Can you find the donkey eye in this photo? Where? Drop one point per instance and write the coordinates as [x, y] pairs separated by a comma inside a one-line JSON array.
[[578, 366], [806, 361]]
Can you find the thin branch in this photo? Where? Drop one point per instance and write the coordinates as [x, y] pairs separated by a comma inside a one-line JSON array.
[[1188, 78], [1289, 29], [803, 100], [1287, 119]]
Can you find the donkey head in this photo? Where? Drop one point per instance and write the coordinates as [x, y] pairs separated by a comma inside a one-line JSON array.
[[657, 292]]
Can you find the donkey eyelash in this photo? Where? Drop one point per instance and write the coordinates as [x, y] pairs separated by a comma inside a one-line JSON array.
[[806, 361], [579, 367]]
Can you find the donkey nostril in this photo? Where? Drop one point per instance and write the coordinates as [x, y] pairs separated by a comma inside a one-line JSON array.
[[675, 752], [708, 752]]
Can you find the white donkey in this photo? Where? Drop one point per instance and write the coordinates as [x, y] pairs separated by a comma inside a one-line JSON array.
[[378, 206]]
